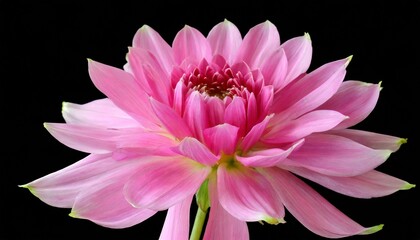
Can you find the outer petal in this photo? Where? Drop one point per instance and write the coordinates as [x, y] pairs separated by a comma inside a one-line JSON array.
[[106, 205], [104, 140], [221, 138], [149, 74], [170, 119], [371, 139], [259, 43], [315, 121], [190, 44], [60, 188], [311, 91], [101, 113], [367, 185], [164, 183], [311, 209], [122, 89], [222, 225], [148, 39], [254, 134], [192, 148], [177, 222], [275, 69], [299, 54], [336, 156], [268, 157], [225, 39], [247, 195], [354, 99]]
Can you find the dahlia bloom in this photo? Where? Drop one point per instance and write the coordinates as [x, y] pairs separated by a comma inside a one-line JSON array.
[[234, 122]]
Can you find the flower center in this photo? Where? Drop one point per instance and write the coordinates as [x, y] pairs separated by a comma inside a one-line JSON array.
[[222, 83]]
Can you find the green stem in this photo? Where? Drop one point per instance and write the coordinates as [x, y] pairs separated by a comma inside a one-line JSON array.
[[200, 217]]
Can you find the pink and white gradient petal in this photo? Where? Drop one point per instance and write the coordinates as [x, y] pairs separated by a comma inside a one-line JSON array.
[[147, 38], [354, 99], [247, 195], [177, 221], [98, 113], [336, 156], [164, 182], [368, 185], [311, 209], [225, 39], [259, 43], [221, 224]]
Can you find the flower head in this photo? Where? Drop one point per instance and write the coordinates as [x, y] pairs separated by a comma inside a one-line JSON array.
[[234, 121]]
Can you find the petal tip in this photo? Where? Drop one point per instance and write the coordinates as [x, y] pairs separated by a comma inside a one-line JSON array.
[[307, 36], [349, 58], [274, 221], [73, 214], [408, 186], [401, 141], [373, 229]]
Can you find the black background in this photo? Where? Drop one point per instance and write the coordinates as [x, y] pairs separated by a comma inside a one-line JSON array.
[[44, 47]]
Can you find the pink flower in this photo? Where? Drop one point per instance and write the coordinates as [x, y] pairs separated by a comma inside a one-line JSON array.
[[229, 120]]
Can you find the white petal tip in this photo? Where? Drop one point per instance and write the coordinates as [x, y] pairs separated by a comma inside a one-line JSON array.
[[373, 229], [307, 36], [349, 58]]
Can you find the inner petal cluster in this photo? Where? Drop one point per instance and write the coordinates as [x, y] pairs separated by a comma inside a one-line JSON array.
[[219, 81]]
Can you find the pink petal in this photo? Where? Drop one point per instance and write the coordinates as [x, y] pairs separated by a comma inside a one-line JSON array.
[[254, 134], [311, 209], [98, 113], [216, 111], [275, 69], [195, 114], [164, 183], [123, 90], [194, 149], [247, 195], [105, 204], [235, 114], [104, 140], [336, 156], [220, 224], [190, 44], [93, 140], [177, 221], [221, 138], [371, 139], [299, 54], [315, 121], [252, 115], [368, 185], [269, 157], [150, 40], [149, 74], [225, 39], [259, 43], [354, 99], [265, 100], [179, 97], [170, 119], [60, 188], [311, 91]]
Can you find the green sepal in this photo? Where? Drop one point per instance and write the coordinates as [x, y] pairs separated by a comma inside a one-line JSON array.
[[202, 196]]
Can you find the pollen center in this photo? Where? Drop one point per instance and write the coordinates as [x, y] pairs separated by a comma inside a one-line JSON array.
[[216, 83]]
